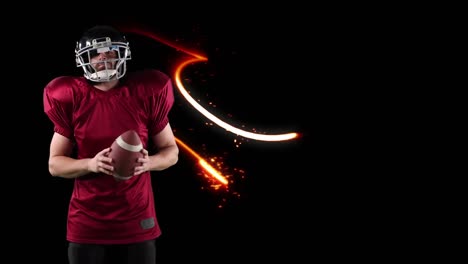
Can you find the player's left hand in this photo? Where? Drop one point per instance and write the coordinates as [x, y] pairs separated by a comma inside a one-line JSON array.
[[144, 163]]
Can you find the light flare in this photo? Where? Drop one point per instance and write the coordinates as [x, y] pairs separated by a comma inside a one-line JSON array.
[[216, 120], [200, 58], [197, 58], [204, 164], [212, 171]]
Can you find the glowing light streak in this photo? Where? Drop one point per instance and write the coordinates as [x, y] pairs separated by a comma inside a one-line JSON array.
[[212, 171], [215, 119], [198, 107], [205, 165], [196, 58], [151, 35]]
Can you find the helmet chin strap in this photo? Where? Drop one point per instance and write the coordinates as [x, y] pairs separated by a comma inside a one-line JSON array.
[[104, 75]]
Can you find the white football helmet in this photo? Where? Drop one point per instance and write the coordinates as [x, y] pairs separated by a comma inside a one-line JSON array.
[[100, 39]]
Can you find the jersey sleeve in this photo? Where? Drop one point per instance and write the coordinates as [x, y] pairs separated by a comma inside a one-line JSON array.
[[58, 105], [162, 102]]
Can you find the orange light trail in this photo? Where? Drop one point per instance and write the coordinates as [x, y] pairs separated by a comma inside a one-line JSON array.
[[198, 107], [196, 58], [216, 120], [205, 165]]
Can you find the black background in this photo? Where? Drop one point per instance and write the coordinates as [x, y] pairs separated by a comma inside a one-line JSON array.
[[332, 72], [267, 70]]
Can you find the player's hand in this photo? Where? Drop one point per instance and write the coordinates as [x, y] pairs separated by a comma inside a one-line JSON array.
[[144, 163], [101, 162]]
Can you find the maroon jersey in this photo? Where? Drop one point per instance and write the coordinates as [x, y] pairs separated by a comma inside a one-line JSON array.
[[103, 210]]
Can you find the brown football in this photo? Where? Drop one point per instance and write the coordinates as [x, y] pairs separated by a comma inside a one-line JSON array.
[[125, 151]]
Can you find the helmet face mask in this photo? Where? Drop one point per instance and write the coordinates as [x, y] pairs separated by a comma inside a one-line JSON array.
[[98, 40]]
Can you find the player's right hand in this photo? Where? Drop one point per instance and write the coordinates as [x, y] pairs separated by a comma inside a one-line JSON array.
[[101, 162]]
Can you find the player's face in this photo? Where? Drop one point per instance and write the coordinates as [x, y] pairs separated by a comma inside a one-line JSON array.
[[98, 60]]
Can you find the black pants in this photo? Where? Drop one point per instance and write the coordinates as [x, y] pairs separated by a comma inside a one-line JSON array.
[[138, 253]]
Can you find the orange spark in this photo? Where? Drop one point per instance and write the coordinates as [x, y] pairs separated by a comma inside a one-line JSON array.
[[204, 164]]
